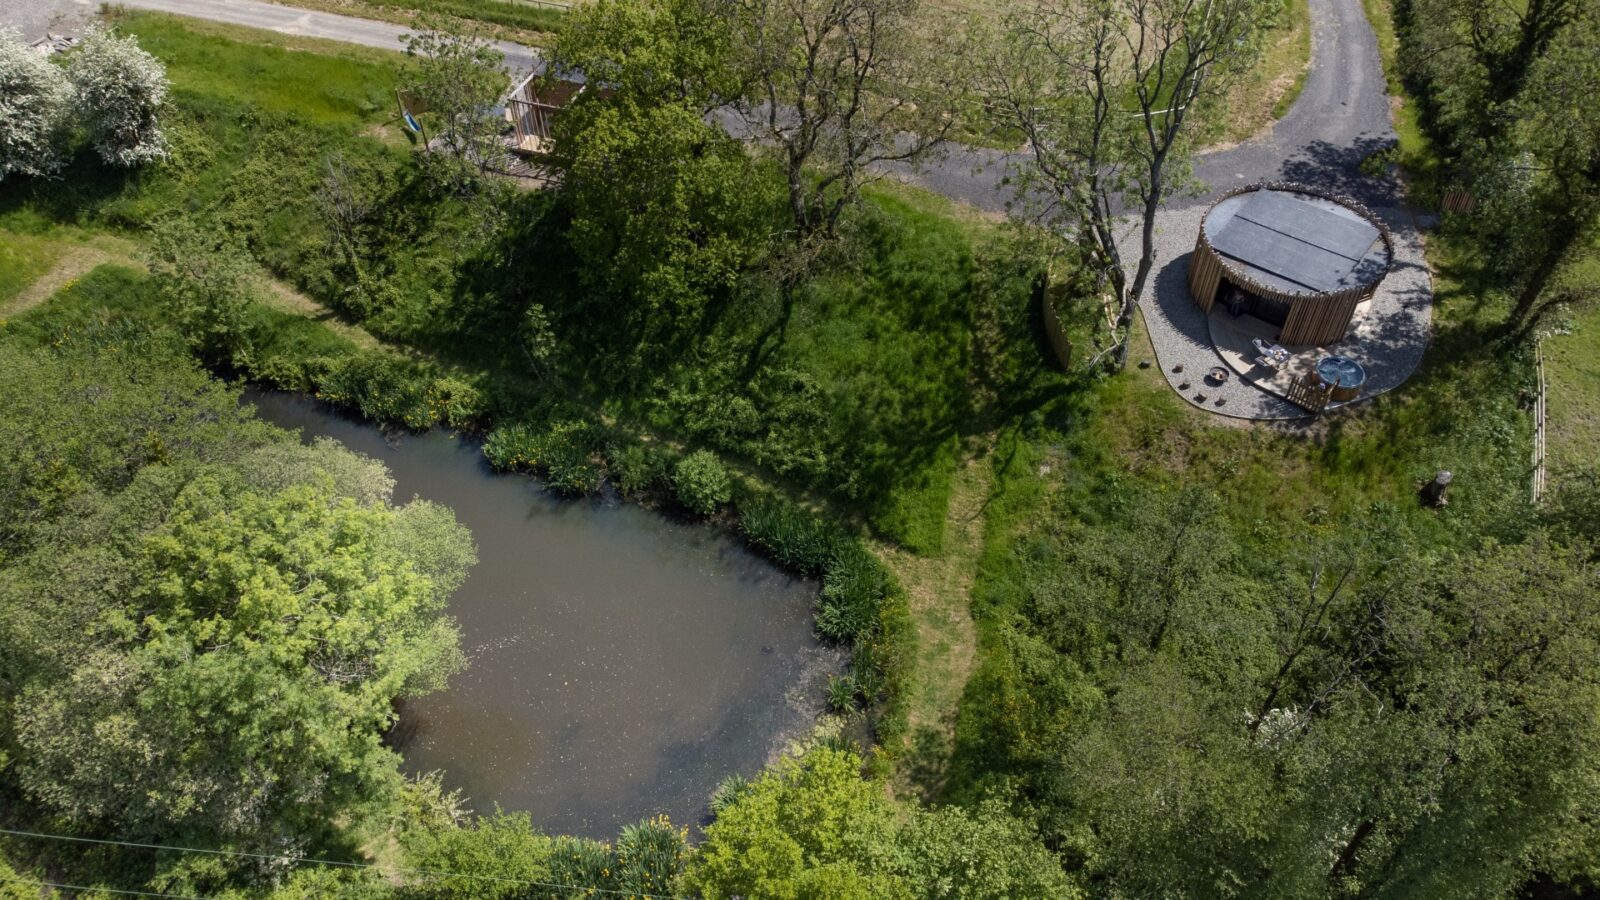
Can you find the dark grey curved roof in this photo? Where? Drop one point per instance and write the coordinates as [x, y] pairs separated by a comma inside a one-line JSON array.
[[1297, 243]]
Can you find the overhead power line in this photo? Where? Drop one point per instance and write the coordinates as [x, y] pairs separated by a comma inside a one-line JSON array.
[[284, 857], [99, 890]]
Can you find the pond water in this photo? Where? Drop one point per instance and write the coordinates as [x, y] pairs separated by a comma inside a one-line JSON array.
[[620, 664]]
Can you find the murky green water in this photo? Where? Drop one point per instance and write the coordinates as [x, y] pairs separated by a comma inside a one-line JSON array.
[[620, 664]]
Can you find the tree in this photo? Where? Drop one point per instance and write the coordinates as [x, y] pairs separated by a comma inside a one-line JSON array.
[[459, 77], [982, 852], [1352, 717], [248, 682], [1557, 213], [121, 91], [840, 89], [203, 277], [666, 216], [203, 624], [1476, 56], [652, 52], [1102, 90], [809, 827], [668, 212], [35, 102]]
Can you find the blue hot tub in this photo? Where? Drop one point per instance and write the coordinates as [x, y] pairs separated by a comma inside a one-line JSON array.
[[1344, 373]]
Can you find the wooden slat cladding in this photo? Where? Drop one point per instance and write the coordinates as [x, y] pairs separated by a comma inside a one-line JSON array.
[[1314, 318]]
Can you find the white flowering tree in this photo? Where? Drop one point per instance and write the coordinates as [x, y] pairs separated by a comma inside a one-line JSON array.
[[34, 101], [121, 91]]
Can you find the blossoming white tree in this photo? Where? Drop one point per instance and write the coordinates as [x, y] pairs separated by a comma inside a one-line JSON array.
[[34, 101], [121, 90]]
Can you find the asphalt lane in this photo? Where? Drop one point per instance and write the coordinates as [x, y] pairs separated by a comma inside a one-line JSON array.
[[309, 23], [1341, 116]]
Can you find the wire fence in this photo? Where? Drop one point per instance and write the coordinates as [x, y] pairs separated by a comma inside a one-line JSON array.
[[1539, 420]]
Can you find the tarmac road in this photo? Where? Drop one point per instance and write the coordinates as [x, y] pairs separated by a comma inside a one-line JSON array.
[[1341, 116]]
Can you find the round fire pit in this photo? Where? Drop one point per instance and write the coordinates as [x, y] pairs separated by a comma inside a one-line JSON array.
[[1217, 375]]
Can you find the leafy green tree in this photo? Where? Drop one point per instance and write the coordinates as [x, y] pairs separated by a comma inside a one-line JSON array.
[[121, 93], [1352, 717], [459, 76], [203, 624], [89, 416], [668, 212], [35, 100], [1555, 216], [983, 852], [652, 52], [248, 682], [810, 827], [666, 219], [204, 278]]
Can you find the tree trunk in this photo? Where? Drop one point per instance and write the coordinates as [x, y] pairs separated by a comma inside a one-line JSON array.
[[1147, 249], [1347, 858], [1549, 261]]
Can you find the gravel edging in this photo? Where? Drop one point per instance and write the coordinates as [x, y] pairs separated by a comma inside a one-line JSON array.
[[1181, 335]]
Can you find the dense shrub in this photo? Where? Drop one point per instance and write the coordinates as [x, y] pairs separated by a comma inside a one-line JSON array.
[[793, 536], [636, 467], [701, 482], [121, 92], [34, 101]]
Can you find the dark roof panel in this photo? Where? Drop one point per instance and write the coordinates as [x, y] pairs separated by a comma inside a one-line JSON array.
[[1303, 266], [1348, 236], [1297, 245]]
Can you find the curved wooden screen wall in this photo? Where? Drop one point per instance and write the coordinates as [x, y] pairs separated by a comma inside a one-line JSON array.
[[1314, 318]]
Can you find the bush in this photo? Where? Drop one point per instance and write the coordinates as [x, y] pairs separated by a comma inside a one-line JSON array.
[[794, 537], [34, 102], [701, 482], [842, 693], [637, 467], [121, 91], [563, 453], [381, 387], [853, 591]]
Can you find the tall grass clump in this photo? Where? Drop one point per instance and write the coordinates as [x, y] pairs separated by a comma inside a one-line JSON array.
[[792, 536], [564, 453]]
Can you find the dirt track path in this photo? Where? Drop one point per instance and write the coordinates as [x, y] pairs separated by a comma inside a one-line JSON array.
[[72, 265]]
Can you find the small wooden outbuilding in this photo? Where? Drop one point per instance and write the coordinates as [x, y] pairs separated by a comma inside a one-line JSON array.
[[533, 105], [1295, 256]]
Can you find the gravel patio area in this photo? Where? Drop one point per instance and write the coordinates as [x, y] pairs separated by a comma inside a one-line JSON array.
[[1389, 344]]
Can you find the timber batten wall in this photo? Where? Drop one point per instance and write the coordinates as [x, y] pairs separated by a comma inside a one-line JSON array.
[[1314, 317]]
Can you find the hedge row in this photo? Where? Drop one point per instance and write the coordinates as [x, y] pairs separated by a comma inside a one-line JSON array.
[[860, 604]]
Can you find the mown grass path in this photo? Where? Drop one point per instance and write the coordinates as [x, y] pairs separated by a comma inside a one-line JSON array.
[[939, 589], [71, 265]]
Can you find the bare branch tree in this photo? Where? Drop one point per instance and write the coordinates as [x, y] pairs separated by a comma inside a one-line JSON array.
[[1102, 90], [460, 76], [839, 89]]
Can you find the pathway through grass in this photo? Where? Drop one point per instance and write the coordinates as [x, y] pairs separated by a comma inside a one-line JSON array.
[[73, 263], [940, 593]]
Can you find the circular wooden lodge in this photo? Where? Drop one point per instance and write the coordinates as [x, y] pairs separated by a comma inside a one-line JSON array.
[[1291, 255]]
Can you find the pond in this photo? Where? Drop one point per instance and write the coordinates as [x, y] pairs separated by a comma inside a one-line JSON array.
[[620, 663]]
